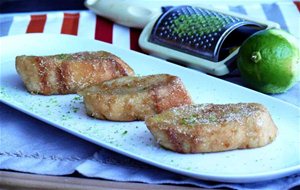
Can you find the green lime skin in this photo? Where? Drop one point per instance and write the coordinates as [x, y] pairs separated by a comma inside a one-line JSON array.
[[269, 61]]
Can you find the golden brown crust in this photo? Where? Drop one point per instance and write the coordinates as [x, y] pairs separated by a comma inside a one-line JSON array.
[[133, 98], [213, 127], [68, 73]]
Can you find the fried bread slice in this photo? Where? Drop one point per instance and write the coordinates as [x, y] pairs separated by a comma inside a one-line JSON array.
[[68, 73], [133, 98], [213, 127]]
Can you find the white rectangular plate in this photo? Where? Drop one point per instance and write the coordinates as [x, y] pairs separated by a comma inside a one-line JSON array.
[[280, 158]]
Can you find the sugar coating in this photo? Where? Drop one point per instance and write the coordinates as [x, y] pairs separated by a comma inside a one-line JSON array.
[[208, 114]]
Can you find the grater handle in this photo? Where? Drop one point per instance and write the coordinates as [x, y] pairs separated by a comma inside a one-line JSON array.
[[122, 12]]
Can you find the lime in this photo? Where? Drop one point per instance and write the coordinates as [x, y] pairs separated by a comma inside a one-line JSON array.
[[269, 61]]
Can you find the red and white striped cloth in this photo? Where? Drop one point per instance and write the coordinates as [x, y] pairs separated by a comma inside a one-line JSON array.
[[88, 25], [83, 24]]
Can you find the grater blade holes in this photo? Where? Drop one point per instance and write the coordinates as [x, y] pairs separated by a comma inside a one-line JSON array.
[[195, 31]]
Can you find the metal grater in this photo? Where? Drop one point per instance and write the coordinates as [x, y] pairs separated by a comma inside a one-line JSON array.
[[213, 37]]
